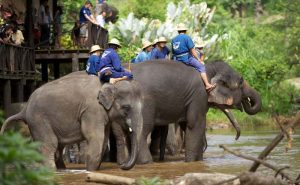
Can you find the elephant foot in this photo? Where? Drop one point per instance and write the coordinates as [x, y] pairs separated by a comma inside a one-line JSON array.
[[191, 156], [144, 158]]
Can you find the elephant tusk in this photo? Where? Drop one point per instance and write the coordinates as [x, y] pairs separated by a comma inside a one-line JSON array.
[[233, 122], [130, 129]]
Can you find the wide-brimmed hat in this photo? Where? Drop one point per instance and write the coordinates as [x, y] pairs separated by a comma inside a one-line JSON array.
[[115, 42], [154, 41], [95, 48], [161, 39], [199, 43], [146, 44], [181, 27]]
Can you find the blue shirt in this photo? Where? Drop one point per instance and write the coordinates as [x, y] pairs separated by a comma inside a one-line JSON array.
[[110, 58], [181, 46], [142, 56], [93, 65], [157, 54], [83, 11]]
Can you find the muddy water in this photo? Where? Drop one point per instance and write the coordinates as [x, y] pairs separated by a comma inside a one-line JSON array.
[[252, 142]]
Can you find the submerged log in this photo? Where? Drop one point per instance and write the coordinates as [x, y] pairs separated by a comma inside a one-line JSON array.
[[206, 179], [109, 179]]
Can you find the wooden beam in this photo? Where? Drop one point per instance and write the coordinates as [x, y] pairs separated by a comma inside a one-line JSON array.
[[20, 91], [75, 63], [7, 94], [61, 55], [29, 23], [45, 72], [56, 70]]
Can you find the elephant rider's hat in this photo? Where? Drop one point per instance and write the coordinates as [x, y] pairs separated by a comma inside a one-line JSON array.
[[95, 48], [199, 43], [162, 39], [181, 27], [115, 41], [154, 42], [146, 44]]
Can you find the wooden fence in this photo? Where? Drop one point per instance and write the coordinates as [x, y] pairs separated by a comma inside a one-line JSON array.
[[16, 62]]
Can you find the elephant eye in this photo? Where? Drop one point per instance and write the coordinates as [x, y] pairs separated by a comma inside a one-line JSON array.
[[241, 81], [126, 107]]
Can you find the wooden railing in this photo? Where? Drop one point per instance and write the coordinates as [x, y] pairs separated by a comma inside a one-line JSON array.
[[16, 61]]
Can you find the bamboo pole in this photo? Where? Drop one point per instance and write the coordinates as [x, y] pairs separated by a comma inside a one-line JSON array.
[[109, 179]]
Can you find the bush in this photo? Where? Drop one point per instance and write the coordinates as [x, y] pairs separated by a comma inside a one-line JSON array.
[[19, 160]]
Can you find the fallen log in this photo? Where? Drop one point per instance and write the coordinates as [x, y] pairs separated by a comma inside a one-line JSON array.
[[268, 165], [109, 179], [206, 179]]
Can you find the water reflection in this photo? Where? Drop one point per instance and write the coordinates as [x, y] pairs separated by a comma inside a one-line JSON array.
[[251, 142]]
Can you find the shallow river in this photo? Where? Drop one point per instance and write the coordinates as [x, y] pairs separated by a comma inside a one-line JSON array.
[[251, 142]]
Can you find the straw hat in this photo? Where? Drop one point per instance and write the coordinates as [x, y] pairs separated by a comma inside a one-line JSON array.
[[181, 27], [162, 39], [154, 41], [199, 43], [146, 44], [95, 48], [115, 42]]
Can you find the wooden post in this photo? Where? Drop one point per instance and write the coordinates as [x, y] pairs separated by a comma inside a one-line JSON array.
[[75, 63], [44, 71], [29, 23], [20, 91], [7, 94], [56, 70], [11, 59]]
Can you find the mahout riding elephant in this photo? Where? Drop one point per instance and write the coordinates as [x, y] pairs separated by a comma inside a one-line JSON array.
[[174, 91], [78, 107]]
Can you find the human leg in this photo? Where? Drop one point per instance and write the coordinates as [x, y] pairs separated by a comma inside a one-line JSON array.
[[201, 68]]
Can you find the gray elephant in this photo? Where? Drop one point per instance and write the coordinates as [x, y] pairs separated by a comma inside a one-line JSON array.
[[174, 91], [76, 108]]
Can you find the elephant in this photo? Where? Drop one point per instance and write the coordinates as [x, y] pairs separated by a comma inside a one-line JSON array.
[[174, 91], [78, 107]]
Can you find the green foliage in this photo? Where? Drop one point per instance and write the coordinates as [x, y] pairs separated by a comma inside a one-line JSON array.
[[128, 53], [18, 162], [152, 181]]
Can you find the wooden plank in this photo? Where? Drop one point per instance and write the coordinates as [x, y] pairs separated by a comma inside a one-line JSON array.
[[61, 56], [75, 63], [7, 94]]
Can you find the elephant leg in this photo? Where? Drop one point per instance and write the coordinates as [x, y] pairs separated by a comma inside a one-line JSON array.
[[120, 139], [49, 142], [194, 142], [163, 141], [59, 161], [155, 140], [171, 142], [145, 156], [94, 132]]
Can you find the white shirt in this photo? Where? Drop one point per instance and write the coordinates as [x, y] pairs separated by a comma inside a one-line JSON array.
[[100, 20]]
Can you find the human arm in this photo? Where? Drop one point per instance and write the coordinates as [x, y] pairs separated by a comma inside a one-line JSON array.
[[90, 18], [195, 54]]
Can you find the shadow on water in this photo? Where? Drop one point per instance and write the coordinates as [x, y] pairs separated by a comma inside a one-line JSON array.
[[251, 142]]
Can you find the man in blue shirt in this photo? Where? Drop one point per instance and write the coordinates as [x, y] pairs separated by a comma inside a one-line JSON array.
[[161, 51], [184, 51], [145, 53], [110, 61], [93, 63], [85, 16]]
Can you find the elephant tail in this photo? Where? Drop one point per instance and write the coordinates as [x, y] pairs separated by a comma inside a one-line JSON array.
[[16, 117]]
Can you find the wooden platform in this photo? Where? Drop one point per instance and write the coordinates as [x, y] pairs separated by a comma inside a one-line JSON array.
[[61, 54]]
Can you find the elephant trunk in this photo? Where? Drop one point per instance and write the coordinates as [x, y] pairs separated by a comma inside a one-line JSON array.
[[251, 100], [136, 131]]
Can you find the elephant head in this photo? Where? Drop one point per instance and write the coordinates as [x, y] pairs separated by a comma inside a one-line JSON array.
[[124, 101], [231, 92]]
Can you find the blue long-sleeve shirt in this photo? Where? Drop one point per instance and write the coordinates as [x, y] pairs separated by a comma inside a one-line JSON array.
[[157, 54], [110, 58], [93, 65], [142, 56]]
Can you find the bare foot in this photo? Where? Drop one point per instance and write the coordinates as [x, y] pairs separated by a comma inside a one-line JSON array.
[[210, 88], [113, 80]]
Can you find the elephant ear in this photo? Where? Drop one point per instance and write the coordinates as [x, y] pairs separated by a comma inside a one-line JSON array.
[[220, 95], [106, 96]]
